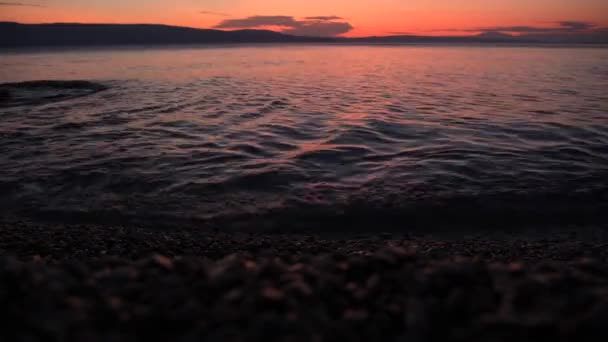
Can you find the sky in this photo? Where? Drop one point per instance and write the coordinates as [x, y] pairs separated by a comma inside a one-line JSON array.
[[350, 18]]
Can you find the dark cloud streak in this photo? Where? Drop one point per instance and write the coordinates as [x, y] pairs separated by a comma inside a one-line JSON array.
[[258, 21], [215, 13], [564, 27], [320, 29], [401, 33], [323, 18], [577, 25], [20, 4], [322, 26]]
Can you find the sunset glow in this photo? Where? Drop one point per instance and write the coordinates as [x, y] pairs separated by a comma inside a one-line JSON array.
[[349, 18]]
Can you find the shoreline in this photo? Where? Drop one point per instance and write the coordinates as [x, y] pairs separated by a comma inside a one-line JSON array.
[[502, 212], [94, 283]]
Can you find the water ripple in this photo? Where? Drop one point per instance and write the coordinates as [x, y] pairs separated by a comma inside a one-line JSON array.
[[440, 130]]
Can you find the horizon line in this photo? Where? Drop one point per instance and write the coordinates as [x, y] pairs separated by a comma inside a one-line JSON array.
[[249, 29], [597, 36]]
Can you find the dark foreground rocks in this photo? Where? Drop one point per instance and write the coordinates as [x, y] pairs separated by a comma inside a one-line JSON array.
[[45, 91], [126, 284]]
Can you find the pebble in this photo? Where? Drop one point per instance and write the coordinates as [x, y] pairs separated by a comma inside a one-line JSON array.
[[190, 286]]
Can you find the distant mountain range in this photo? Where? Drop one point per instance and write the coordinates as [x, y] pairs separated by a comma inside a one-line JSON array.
[[68, 34]]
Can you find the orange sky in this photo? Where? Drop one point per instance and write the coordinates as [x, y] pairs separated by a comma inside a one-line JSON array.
[[367, 17]]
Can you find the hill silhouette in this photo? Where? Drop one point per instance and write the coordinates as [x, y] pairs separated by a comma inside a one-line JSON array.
[[73, 34], [15, 34]]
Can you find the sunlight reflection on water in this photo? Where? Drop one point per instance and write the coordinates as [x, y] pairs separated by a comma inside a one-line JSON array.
[[210, 131]]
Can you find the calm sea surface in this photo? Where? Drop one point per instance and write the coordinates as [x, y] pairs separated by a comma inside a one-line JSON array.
[[301, 133]]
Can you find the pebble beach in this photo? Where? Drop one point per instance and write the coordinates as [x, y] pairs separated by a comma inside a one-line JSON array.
[[91, 283]]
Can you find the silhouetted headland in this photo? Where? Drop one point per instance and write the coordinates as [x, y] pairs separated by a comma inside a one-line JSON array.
[[74, 34], [14, 34]]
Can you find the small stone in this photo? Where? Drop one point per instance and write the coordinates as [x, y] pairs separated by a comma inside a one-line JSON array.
[[373, 281], [515, 267], [75, 302], [250, 265], [296, 267], [115, 302], [163, 261], [272, 294], [301, 287], [355, 315], [234, 295]]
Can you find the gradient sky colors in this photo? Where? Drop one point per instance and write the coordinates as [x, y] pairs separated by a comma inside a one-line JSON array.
[[322, 17]]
